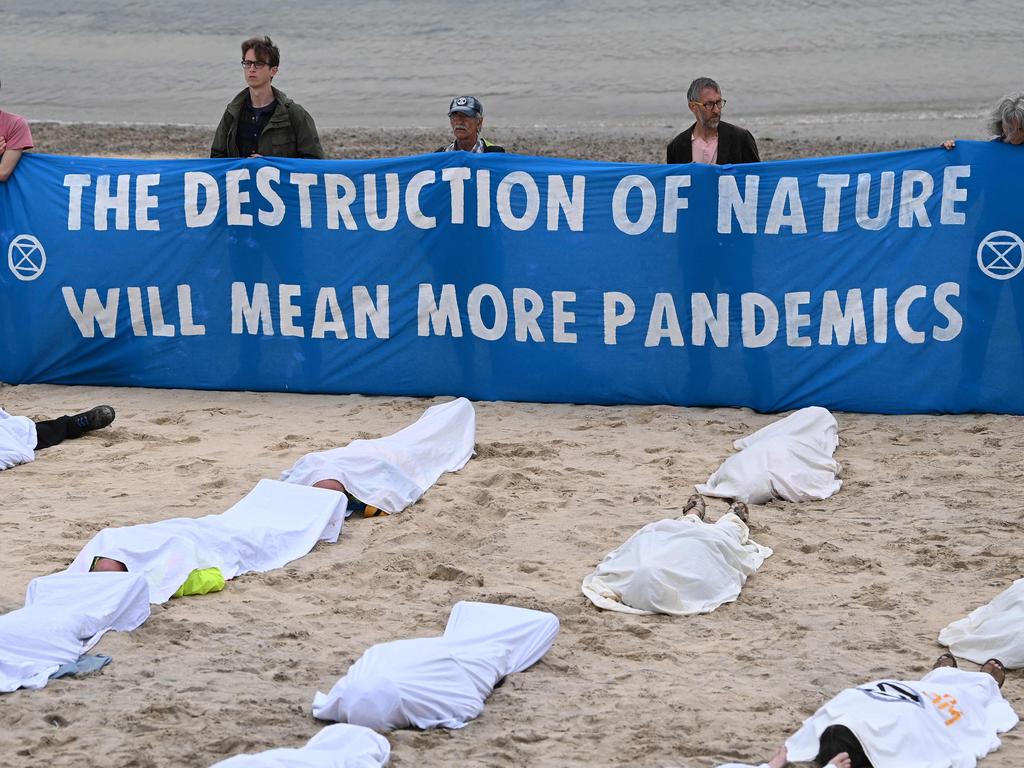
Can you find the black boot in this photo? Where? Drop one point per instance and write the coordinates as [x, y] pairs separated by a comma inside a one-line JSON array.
[[95, 418]]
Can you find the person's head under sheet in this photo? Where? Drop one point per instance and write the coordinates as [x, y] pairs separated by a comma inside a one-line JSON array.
[[374, 703], [406, 683]]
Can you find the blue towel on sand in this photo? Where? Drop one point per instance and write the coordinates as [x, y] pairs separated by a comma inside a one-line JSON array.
[[86, 664]]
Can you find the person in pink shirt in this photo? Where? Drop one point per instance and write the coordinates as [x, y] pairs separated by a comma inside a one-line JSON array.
[[710, 140], [15, 138]]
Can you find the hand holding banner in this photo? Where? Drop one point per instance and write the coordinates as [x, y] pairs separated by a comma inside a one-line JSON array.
[[881, 282]]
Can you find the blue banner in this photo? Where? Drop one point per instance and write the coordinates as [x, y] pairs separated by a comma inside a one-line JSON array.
[[885, 283]]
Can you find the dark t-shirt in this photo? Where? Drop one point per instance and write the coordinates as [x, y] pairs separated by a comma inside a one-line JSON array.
[[251, 123]]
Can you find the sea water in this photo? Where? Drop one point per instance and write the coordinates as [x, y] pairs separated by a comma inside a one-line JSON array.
[[796, 67]]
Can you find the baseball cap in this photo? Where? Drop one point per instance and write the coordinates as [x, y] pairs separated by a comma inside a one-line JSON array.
[[467, 105]]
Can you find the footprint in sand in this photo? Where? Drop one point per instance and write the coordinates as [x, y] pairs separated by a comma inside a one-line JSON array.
[[451, 573]]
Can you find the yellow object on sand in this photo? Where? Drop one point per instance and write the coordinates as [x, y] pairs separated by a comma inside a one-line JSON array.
[[201, 582]]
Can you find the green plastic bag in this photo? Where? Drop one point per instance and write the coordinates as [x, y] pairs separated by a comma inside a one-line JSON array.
[[201, 582]]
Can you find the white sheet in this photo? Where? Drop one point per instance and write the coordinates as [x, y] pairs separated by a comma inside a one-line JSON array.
[[395, 471], [948, 719], [336, 746], [677, 566], [993, 630], [439, 681], [790, 459], [64, 616], [17, 440], [273, 525]]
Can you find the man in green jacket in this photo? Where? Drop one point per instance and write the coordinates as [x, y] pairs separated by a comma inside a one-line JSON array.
[[262, 120]]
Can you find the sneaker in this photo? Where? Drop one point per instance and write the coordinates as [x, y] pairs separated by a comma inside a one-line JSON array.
[[355, 506], [95, 418]]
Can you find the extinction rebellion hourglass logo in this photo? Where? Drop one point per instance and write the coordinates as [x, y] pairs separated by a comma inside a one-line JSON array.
[[26, 258], [1001, 255]]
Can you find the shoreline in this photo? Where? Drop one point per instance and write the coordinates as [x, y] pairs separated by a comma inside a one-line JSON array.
[[144, 140]]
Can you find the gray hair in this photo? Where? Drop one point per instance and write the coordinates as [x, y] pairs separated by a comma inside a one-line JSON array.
[[698, 85], [1009, 109]]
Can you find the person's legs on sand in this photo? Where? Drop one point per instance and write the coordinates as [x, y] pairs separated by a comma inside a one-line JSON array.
[[52, 432]]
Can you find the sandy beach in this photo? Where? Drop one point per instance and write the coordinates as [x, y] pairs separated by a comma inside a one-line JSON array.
[[923, 530]]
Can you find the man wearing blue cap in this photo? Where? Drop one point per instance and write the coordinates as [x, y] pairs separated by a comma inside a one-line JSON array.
[[466, 114]]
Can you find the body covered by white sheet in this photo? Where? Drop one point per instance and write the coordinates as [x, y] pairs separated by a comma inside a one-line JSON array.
[[948, 719], [994, 630], [439, 681], [395, 471], [677, 566], [336, 746], [17, 440], [790, 459], [274, 524], [64, 616]]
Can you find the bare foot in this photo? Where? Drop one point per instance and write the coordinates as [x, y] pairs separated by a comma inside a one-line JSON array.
[[842, 760], [781, 758], [695, 506]]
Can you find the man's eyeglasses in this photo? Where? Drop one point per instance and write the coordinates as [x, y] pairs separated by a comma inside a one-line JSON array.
[[710, 105], [246, 64]]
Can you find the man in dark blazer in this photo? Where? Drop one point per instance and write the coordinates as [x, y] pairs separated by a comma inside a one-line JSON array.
[[709, 140]]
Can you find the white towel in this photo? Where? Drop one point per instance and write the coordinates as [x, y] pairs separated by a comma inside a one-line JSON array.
[[947, 719], [17, 440], [336, 746], [273, 525], [994, 630], [677, 566], [64, 616], [439, 681], [395, 471], [790, 459]]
